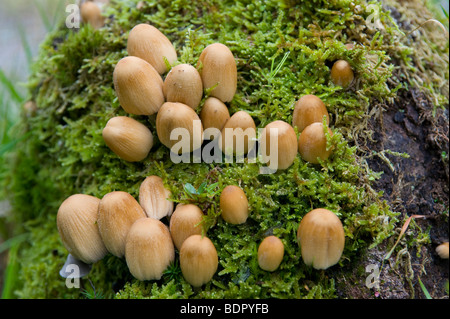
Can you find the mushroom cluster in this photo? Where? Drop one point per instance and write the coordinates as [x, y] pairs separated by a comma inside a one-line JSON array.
[[119, 224]]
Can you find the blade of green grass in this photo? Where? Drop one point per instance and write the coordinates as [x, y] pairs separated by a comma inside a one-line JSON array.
[[10, 88], [424, 289]]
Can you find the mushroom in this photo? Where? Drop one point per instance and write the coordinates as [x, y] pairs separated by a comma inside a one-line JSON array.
[[183, 84], [153, 197], [307, 110], [312, 143], [76, 223], [214, 114], [128, 138], [286, 146], [234, 205], [148, 43], [442, 250], [149, 249], [91, 13], [117, 211], [342, 73], [138, 86], [270, 253], [238, 134], [198, 260], [218, 69], [184, 222], [180, 121], [321, 238]]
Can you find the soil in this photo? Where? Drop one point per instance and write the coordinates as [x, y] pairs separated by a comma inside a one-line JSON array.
[[417, 185]]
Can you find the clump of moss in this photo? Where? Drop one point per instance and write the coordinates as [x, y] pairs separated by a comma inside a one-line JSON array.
[[283, 49]]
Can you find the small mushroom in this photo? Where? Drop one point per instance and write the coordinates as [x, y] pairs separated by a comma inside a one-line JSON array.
[[238, 134], [218, 69], [307, 110], [91, 13], [138, 86], [234, 205], [321, 238], [128, 138], [179, 120], [286, 141], [149, 249], [442, 250], [198, 260], [117, 211], [148, 43], [342, 73], [184, 222], [153, 197], [270, 253], [76, 223], [312, 143], [183, 84], [214, 114]]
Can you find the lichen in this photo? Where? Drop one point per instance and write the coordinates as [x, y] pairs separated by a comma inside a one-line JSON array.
[[63, 152]]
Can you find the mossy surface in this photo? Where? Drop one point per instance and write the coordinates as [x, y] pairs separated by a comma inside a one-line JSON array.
[[283, 50]]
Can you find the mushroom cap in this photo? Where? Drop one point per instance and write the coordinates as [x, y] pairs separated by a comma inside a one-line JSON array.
[[270, 253], [153, 197], [214, 114], [287, 145], [234, 205], [91, 13], [307, 110], [117, 211], [149, 249], [321, 238], [183, 84], [148, 43], [342, 73], [174, 115], [218, 67], [312, 143], [442, 250], [76, 223], [138, 86], [198, 260], [184, 222], [128, 138], [238, 134]]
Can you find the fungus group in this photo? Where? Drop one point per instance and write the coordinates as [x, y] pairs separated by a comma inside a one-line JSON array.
[[134, 229]]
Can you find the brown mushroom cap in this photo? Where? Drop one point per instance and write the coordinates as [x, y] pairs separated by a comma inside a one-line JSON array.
[[287, 145], [148, 43], [307, 110], [183, 84], [91, 13], [218, 67], [234, 205], [342, 73], [184, 222], [312, 143], [174, 115], [198, 260], [214, 114], [442, 250], [238, 134], [128, 138], [76, 223], [270, 253], [149, 249], [321, 238], [153, 197], [117, 211], [138, 86]]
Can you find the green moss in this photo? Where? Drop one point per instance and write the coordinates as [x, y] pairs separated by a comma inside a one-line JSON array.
[[283, 49]]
